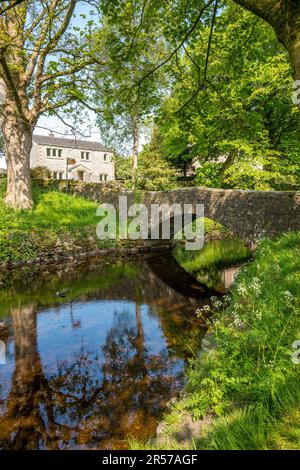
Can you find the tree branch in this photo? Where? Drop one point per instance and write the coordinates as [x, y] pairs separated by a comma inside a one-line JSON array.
[[265, 9], [11, 85], [174, 52], [10, 7], [43, 54]]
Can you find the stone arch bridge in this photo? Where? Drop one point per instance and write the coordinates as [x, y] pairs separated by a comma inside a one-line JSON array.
[[251, 215]]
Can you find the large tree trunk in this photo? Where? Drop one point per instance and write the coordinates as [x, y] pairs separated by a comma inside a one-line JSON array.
[[18, 143], [135, 151]]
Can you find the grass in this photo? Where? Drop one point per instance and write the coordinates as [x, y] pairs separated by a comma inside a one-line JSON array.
[[57, 218], [249, 383], [52, 210]]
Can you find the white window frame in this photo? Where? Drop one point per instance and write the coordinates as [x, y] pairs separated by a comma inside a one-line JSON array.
[[103, 177], [85, 156], [58, 175], [54, 152]]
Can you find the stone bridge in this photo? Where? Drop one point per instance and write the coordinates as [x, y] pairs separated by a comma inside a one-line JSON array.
[[251, 215]]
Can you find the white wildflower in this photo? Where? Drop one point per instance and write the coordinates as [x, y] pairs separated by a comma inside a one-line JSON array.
[[288, 295], [256, 287], [242, 289], [258, 315]]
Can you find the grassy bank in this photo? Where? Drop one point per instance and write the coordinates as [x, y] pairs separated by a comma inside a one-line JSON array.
[[57, 219], [248, 385]]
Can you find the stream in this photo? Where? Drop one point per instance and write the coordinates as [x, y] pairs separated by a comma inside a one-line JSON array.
[[93, 353]]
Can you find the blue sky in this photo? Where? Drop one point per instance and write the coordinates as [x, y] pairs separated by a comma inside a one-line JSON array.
[[54, 123], [46, 124]]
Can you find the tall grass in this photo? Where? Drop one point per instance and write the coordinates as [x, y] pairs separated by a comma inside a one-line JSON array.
[[249, 383]]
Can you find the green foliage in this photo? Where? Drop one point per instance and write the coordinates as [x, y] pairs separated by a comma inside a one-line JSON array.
[[40, 173], [255, 333], [251, 370], [155, 173], [123, 167], [25, 234], [209, 175], [248, 383], [125, 99], [241, 111]]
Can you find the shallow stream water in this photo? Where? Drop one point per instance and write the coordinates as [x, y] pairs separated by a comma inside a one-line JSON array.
[[93, 354]]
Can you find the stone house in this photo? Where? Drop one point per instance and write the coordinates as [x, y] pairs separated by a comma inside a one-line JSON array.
[[73, 159]]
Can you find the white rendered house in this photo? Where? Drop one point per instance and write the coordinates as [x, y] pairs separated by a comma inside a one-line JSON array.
[[73, 159]]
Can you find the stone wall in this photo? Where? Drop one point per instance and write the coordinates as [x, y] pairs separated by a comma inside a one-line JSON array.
[[251, 215]]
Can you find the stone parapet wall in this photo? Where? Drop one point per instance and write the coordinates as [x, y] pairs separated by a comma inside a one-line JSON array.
[[252, 215]]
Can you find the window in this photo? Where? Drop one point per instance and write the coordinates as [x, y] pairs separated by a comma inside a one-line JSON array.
[[85, 156], [103, 178], [105, 157], [58, 175], [53, 152]]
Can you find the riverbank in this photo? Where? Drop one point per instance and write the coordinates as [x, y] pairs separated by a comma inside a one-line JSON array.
[[62, 226], [244, 391]]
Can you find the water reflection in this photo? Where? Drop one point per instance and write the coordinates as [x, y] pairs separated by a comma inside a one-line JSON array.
[[214, 264], [91, 368], [88, 370]]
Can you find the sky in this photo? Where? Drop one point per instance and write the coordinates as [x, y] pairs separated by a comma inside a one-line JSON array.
[[53, 124]]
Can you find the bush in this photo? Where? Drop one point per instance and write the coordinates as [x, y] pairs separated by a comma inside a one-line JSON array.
[[40, 173]]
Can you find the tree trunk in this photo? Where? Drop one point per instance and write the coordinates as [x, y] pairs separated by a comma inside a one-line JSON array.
[[135, 151], [294, 54], [18, 143]]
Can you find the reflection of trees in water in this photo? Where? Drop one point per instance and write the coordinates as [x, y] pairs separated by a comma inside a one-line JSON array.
[[98, 398], [86, 400], [29, 417], [209, 264], [125, 395]]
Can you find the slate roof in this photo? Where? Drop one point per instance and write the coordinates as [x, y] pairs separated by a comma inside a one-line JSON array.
[[69, 143]]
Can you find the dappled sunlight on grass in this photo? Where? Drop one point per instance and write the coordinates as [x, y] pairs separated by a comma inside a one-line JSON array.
[[52, 209]]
